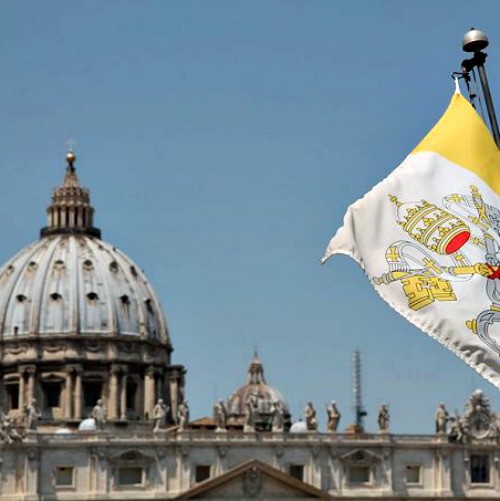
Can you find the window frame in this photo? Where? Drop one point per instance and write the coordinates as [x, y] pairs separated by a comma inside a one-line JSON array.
[[419, 482], [365, 483], [202, 465], [475, 484], [59, 486], [296, 465], [131, 458], [124, 487]]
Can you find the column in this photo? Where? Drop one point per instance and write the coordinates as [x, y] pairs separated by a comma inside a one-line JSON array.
[[174, 392], [78, 395], [113, 393], [123, 397], [68, 394], [31, 384], [149, 391], [79, 222], [21, 390]]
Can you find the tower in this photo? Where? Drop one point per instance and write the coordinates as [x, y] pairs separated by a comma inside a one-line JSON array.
[[359, 410]]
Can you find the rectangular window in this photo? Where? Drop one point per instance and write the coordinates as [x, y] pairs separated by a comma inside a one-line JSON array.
[[52, 394], [479, 469], [359, 474], [412, 474], [202, 472], [130, 476], [296, 471], [64, 476], [12, 396]]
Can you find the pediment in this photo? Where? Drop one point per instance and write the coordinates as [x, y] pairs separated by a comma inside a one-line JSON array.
[[254, 480], [361, 457], [132, 457]]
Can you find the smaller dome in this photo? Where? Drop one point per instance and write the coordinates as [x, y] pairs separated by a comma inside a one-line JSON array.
[[87, 425], [266, 396], [298, 427]]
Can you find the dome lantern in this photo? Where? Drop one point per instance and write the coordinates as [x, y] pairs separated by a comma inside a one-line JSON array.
[[256, 371], [70, 211]]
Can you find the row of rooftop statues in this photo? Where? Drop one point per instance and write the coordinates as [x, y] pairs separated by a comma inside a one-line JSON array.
[[9, 428], [160, 412], [478, 421], [277, 417], [252, 415]]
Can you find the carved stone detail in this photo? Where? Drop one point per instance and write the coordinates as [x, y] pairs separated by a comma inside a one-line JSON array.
[[252, 482]]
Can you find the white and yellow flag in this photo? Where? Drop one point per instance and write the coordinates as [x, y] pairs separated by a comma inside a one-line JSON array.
[[428, 237]]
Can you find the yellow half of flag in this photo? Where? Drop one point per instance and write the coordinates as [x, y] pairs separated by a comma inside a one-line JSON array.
[[462, 137]]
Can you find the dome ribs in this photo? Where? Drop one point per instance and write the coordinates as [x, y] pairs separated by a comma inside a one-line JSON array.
[[112, 298], [39, 289], [12, 279]]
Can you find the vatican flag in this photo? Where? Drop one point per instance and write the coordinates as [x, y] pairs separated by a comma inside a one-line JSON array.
[[428, 237]]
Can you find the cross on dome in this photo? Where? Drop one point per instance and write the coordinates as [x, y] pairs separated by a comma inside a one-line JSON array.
[[256, 370]]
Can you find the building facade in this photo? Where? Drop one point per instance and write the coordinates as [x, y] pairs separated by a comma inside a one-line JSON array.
[[92, 407]]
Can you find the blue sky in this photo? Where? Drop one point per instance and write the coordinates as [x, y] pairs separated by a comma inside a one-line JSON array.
[[222, 142]]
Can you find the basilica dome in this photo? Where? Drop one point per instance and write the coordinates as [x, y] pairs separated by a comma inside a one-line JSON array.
[[71, 282], [77, 284], [80, 322]]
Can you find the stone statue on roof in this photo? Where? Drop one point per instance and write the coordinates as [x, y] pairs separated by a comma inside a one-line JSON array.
[[220, 416], [99, 413], [183, 415], [33, 415], [383, 418], [310, 417], [333, 416], [160, 412], [278, 417], [441, 418], [252, 414]]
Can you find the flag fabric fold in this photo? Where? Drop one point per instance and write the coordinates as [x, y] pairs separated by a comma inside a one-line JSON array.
[[428, 237]]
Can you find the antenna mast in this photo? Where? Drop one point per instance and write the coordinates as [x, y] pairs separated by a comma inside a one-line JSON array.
[[359, 410]]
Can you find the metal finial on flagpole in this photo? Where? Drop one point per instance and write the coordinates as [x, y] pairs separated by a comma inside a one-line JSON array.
[[475, 41]]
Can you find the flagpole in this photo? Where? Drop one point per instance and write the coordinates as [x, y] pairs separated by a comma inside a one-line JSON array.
[[475, 41]]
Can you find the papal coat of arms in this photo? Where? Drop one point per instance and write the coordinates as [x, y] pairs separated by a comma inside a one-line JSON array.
[[252, 482], [480, 420], [438, 254]]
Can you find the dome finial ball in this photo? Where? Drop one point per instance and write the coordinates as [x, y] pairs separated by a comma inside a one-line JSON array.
[[474, 41], [70, 157]]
